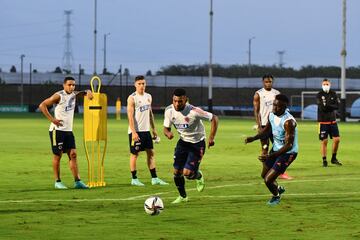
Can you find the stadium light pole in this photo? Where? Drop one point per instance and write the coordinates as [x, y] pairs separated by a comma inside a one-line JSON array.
[[22, 79], [343, 64], [249, 52], [210, 103], [105, 70], [95, 32]]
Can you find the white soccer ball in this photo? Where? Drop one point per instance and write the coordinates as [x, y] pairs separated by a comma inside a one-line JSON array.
[[153, 205], [255, 127]]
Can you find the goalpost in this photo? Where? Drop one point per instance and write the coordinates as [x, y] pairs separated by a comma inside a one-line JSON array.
[[309, 98]]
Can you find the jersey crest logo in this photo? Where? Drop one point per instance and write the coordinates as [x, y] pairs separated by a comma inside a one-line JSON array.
[[181, 126], [187, 119], [144, 108]]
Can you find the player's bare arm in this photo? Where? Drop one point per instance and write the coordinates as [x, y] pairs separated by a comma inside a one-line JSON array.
[[261, 135], [168, 133], [54, 99], [256, 103], [130, 113], [152, 124], [213, 130], [289, 141], [86, 93]]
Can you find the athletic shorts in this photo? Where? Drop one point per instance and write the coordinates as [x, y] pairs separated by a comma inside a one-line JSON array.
[[61, 141], [281, 163], [328, 129], [145, 142], [188, 155]]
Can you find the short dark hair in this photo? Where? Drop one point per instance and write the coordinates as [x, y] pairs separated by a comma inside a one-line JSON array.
[[68, 78], [267, 76], [139, 77], [179, 92], [283, 98], [326, 80]]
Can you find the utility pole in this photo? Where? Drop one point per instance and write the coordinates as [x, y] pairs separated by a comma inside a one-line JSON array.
[[281, 58], [249, 52], [22, 80], [210, 103], [105, 70], [343, 64]]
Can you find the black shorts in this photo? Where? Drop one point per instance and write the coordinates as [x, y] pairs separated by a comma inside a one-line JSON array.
[[188, 155], [281, 163], [144, 143], [328, 129], [61, 141]]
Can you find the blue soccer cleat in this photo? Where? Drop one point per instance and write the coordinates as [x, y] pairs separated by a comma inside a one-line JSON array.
[[275, 200], [80, 185]]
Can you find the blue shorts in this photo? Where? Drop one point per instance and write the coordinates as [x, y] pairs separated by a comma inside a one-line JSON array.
[[61, 141], [281, 163], [188, 155], [328, 129], [144, 143]]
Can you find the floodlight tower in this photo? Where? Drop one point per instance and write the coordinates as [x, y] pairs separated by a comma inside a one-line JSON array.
[[343, 64], [68, 59], [249, 52], [281, 58], [95, 32], [210, 103]]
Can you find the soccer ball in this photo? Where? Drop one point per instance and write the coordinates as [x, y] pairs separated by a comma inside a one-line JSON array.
[[153, 205]]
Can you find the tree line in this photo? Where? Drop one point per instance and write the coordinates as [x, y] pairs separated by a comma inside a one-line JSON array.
[[242, 71]]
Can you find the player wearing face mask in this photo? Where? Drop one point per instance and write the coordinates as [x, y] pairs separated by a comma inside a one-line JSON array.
[[328, 103]]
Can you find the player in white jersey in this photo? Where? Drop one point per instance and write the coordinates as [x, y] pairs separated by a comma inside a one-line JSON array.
[[190, 148], [141, 118], [60, 131], [263, 104], [284, 150]]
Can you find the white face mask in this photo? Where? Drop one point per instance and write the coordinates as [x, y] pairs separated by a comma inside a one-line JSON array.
[[326, 88]]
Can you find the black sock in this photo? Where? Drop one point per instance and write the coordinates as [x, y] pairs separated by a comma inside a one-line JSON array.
[[133, 173], [333, 157], [153, 173], [180, 184], [59, 180], [198, 175], [324, 159], [77, 179]]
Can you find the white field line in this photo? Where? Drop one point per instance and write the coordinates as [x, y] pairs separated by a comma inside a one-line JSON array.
[[202, 196]]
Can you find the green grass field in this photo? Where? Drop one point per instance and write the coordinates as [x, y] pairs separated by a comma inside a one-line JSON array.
[[320, 203]]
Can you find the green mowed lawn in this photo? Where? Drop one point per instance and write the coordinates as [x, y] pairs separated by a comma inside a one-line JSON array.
[[319, 203]]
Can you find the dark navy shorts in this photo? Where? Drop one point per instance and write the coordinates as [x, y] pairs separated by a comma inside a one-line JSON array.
[[61, 141], [328, 129], [144, 143], [188, 155], [281, 163]]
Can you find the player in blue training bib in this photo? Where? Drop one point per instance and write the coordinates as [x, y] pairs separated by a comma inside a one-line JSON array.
[[283, 127]]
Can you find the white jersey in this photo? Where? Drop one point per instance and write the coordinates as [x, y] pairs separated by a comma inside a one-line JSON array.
[[266, 103], [187, 122], [64, 111], [142, 112]]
